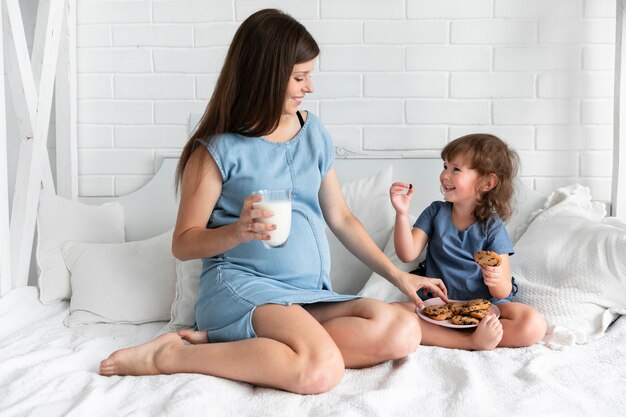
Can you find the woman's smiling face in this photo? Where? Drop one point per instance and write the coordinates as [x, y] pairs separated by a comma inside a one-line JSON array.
[[299, 85]]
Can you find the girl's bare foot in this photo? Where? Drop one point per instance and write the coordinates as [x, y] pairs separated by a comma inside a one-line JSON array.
[[488, 333], [194, 337], [141, 359]]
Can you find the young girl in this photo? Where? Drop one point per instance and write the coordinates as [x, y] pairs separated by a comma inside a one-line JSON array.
[[269, 316], [477, 184]]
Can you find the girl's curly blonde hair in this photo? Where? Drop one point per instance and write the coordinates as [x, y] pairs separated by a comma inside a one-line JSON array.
[[487, 154]]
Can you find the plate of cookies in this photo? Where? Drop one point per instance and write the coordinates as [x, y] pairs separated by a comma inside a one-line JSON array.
[[457, 314]]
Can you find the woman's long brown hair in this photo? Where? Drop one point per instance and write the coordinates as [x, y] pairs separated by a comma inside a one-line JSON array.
[[249, 95]]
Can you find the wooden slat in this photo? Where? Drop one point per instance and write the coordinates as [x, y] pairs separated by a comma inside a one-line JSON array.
[[65, 109], [618, 191], [5, 249], [39, 40], [50, 59], [19, 70], [33, 165]]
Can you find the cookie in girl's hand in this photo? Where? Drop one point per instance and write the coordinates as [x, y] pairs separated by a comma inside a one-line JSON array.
[[487, 258]]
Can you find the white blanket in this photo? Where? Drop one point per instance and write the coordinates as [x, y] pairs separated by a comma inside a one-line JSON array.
[[47, 369]]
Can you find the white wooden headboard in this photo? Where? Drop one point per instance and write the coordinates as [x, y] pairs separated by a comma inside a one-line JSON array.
[[152, 209]]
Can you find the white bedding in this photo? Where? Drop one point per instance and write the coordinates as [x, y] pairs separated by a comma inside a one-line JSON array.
[[47, 369]]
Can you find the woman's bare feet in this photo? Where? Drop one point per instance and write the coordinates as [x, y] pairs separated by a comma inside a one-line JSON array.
[[194, 337], [141, 359], [488, 333]]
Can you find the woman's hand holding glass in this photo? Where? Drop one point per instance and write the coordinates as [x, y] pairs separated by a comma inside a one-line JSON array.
[[248, 227]]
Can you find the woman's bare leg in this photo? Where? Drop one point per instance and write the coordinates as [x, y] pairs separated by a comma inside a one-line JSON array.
[[368, 331], [292, 352]]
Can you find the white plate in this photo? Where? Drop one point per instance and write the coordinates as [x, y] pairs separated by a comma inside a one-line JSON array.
[[446, 323]]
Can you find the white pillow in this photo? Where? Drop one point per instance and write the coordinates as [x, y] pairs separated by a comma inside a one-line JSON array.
[[526, 202], [368, 198], [380, 288], [183, 314], [132, 282], [60, 220], [570, 266]]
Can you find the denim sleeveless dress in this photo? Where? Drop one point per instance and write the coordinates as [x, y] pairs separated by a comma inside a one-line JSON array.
[[234, 283]]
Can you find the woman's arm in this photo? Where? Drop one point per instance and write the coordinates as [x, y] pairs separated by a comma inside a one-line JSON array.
[[355, 238], [200, 189]]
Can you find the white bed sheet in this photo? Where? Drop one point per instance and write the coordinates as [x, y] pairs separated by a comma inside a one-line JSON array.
[[47, 369]]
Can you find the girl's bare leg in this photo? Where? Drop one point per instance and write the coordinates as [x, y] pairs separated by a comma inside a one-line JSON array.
[[292, 352], [486, 336], [522, 324], [368, 331]]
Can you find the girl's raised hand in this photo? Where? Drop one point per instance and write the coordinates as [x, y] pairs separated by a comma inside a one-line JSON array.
[[247, 228], [411, 283], [400, 200]]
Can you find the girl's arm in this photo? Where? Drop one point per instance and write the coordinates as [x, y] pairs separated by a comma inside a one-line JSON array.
[[355, 238], [408, 241], [200, 189], [498, 278]]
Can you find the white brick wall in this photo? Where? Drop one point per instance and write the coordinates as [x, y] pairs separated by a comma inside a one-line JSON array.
[[394, 75]]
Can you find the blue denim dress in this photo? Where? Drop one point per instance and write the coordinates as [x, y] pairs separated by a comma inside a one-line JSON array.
[[234, 283]]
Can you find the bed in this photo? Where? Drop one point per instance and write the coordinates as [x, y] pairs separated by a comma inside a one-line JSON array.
[[125, 288]]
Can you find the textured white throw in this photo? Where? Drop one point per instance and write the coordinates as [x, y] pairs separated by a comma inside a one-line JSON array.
[[570, 264], [47, 369]]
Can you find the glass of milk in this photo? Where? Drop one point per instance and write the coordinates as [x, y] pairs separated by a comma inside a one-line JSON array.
[[279, 202]]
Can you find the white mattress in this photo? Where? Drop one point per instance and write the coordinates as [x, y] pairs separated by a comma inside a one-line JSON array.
[[47, 369]]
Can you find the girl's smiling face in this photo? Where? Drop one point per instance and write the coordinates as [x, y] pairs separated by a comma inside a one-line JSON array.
[[458, 182], [299, 85]]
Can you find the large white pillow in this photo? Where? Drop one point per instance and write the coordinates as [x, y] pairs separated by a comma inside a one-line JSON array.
[[368, 198], [380, 288], [526, 202], [183, 314], [132, 282], [60, 220], [570, 266]]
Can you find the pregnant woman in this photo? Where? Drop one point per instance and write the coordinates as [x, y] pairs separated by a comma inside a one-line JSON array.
[[270, 317]]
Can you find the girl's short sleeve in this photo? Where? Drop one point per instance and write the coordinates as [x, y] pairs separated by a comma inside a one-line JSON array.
[[426, 219], [498, 239]]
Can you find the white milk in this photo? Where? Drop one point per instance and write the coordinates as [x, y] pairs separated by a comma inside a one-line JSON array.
[[281, 218]]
